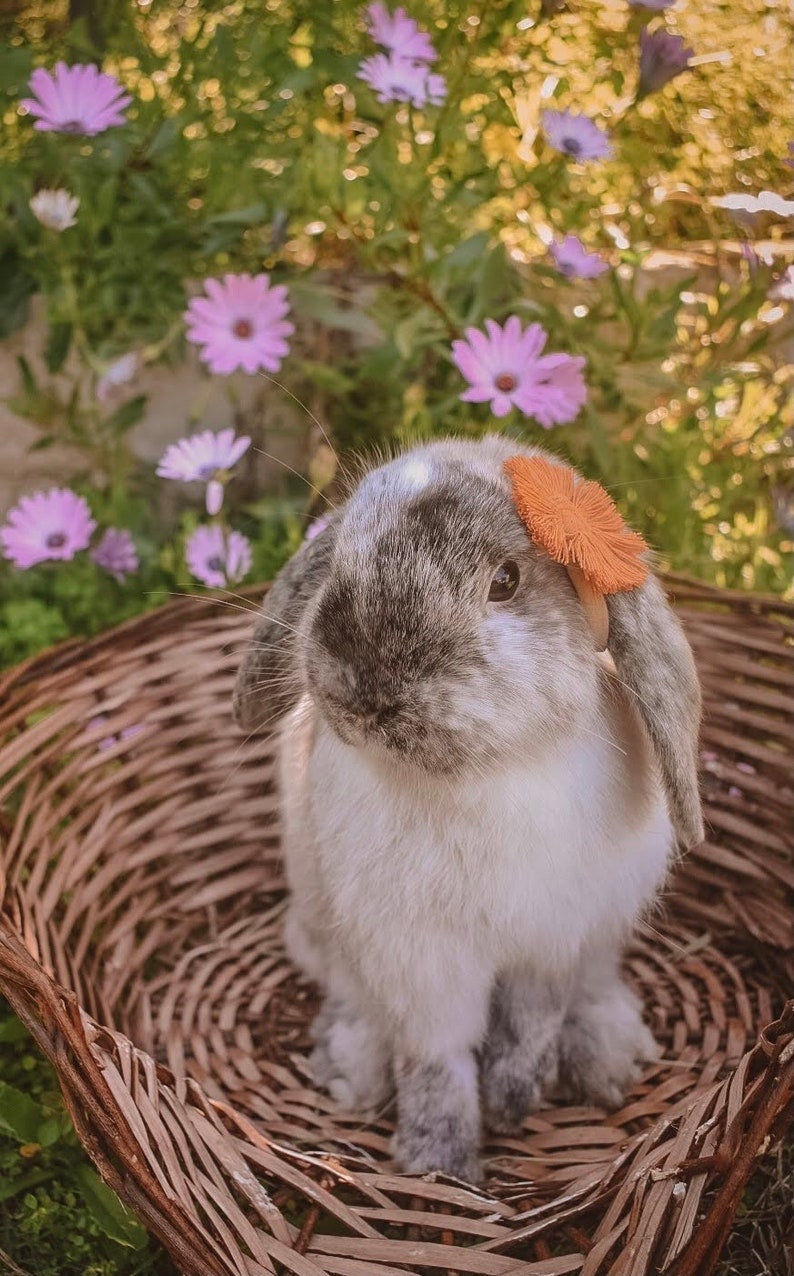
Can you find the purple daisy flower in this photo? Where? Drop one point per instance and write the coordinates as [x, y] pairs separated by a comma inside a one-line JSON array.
[[107, 741], [217, 558], [663, 56], [47, 525], [116, 552], [574, 261], [118, 373], [241, 323], [75, 99], [575, 135], [399, 34], [203, 456], [395, 79], [506, 368], [213, 498]]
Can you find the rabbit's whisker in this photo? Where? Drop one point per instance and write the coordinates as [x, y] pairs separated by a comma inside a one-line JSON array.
[[297, 474], [307, 410], [604, 739], [208, 598]]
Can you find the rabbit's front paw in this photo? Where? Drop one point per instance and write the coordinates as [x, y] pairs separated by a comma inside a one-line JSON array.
[[513, 1085], [439, 1122], [603, 1046], [350, 1059], [519, 1057], [446, 1152]]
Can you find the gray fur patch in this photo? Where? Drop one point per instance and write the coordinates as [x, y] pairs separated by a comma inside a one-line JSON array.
[[438, 1125], [655, 663], [520, 1054], [268, 682]]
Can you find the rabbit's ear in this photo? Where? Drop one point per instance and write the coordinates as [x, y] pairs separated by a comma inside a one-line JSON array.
[[655, 663], [268, 681]]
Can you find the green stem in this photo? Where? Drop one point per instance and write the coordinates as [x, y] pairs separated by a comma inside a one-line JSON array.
[[626, 306]]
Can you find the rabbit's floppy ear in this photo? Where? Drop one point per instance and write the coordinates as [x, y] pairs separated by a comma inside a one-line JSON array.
[[655, 663], [268, 682]]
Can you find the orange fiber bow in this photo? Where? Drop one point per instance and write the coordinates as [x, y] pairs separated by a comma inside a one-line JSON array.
[[577, 523]]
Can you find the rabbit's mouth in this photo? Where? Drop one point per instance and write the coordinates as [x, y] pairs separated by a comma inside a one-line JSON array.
[[397, 733], [391, 725]]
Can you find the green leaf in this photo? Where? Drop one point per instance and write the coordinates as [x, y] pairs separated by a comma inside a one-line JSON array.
[[128, 415], [29, 382], [326, 376], [20, 1116], [420, 329], [165, 137], [12, 1030], [49, 1131], [18, 287], [312, 302], [470, 251], [240, 216], [58, 343], [16, 65], [12, 1187], [107, 1211]]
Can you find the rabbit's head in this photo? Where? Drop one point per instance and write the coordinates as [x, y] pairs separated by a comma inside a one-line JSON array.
[[431, 632]]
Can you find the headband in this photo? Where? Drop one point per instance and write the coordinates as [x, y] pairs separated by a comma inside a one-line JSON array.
[[577, 523]]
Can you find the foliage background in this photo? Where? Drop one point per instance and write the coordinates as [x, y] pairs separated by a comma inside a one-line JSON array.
[[251, 145]]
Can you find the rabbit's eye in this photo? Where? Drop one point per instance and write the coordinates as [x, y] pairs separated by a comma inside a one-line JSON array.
[[504, 583]]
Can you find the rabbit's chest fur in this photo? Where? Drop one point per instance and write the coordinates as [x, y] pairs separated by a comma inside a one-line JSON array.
[[532, 864]]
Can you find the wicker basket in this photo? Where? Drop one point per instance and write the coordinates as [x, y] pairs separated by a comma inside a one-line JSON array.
[[140, 943]]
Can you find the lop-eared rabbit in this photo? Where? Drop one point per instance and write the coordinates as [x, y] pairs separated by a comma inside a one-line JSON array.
[[477, 805]]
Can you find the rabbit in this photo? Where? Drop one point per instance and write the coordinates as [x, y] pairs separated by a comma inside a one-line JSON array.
[[477, 805]]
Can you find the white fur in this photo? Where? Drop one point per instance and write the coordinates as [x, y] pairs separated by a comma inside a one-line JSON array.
[[411, 894]]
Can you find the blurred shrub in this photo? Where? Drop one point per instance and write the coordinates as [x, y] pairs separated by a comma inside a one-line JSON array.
[[252, 144]]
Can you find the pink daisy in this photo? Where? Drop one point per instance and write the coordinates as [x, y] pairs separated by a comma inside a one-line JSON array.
[[399, 34], [395, 79], [48, 525], [574, 261], [506, 368], [575, 135], [116, 552], [240, 323], [217, 558], [75, 99]]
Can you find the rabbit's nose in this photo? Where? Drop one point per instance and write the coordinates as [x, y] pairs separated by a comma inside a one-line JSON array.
[[377, 717], [367, 712], [387, 714]]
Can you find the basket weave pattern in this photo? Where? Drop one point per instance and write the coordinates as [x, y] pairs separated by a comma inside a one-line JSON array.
[[142, 898]]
